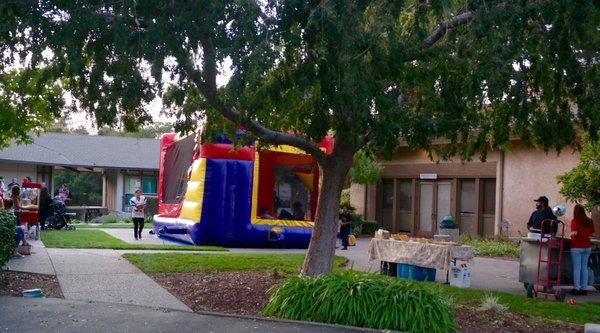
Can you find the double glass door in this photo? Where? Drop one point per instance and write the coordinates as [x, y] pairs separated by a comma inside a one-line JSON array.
[[435, 201]]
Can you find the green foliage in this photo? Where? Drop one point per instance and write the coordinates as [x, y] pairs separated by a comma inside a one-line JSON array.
[[345, 199], [156, 263], [369, 227], [85, 187], [98, 239], [582, 183], [105, 219], [28, 103], [365, 170], [7, 235], [492, 247], [362, 300]]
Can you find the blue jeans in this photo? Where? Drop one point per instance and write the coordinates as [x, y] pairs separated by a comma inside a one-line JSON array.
[[19, 236], [580, 257]]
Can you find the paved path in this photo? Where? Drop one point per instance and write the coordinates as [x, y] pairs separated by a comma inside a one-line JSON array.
[[56, 315], [96, 275]]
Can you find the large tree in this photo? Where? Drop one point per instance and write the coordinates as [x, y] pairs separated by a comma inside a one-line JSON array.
[[474, 74]]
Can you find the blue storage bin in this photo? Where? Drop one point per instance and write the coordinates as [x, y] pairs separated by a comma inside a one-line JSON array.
[[417, 273]]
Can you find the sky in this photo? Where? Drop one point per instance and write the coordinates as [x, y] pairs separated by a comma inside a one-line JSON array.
[[82, 119]]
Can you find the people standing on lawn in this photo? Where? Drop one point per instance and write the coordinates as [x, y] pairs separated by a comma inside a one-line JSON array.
[[138, 204], [45, 201], [582, 230], [345, 225]]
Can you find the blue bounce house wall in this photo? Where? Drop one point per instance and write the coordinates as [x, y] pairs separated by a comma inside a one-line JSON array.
[[227, 203], [226, 218]]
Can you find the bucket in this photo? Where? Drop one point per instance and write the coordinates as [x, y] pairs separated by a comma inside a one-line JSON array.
[[35, 293]]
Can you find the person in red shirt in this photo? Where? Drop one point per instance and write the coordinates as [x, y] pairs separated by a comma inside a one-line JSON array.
[[582, 230]]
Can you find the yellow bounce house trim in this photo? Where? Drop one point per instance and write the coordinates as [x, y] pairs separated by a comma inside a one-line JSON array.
[[259, 221], [194, 194]]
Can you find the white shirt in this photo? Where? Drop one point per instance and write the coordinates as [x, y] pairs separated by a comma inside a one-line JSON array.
[[137, 206]]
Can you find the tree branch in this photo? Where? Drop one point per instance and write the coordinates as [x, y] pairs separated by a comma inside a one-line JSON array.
[[444, 26], [206, 83]]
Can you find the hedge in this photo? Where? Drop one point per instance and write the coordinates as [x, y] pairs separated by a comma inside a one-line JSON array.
[[7, 236]]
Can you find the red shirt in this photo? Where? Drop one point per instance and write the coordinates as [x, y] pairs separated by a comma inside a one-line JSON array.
[[582, 240]]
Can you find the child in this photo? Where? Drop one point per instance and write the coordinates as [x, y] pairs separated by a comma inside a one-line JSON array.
[[138, 204]]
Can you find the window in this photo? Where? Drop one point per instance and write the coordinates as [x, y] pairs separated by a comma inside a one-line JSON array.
[[144, 181], [467, 197], [404, 205], [489, 196], [387, 204]]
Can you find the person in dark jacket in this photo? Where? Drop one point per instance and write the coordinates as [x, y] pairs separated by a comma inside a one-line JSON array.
[[345, 227], [44, 207], [542, 212]]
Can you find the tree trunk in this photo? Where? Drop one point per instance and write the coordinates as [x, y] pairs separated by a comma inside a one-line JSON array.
[[319, 258]]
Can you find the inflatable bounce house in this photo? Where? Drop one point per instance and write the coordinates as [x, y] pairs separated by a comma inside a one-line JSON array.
[[213, 194]]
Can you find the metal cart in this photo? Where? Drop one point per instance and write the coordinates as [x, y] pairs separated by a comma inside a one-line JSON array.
[[528, 266]]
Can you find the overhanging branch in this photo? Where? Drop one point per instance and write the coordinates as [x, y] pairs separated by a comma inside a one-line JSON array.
[[444, 26]]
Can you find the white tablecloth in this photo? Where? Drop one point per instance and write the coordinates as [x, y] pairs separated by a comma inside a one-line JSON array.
[[421, 254]]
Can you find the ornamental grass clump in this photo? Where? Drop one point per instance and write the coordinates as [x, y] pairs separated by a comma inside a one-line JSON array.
[[363, 300]]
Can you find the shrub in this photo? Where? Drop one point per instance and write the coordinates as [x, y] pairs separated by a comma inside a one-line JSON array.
[[110, 218], [127, 219], [369, 227], [345, 199], [492, 247], [148, 219], [491, 302], [7, 236], [363, 300]]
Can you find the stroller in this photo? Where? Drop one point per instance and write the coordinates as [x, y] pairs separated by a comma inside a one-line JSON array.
[[59, 218]]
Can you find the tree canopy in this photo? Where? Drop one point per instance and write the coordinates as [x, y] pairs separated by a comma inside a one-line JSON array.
[[471, 73], [582, 183]]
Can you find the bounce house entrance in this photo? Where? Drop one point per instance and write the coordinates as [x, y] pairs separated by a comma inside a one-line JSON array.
[[287, 186]]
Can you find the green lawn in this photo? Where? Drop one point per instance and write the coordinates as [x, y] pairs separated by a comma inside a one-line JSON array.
[[580, 313], [492, 247], [152, 263], [147, 226], [98, 239]]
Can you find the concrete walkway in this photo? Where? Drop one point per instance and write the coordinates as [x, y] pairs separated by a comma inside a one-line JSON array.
[[57, 315], [96, 275]]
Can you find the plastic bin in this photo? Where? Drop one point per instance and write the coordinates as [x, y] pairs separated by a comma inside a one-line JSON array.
[[416, 273]]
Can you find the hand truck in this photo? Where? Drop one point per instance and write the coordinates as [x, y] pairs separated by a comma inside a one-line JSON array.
[[545, 285]]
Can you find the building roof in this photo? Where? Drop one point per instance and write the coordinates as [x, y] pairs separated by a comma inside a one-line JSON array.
[[86, 151]]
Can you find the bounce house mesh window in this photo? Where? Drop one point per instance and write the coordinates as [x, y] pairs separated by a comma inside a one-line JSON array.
[[287, 188], [178, 160]]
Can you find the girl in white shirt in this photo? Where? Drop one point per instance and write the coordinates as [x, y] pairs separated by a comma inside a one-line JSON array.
[[138, 204]]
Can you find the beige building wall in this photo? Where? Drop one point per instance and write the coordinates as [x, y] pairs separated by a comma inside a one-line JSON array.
[[20, 171], [528, 174]]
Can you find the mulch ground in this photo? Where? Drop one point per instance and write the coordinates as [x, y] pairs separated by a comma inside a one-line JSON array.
[[245, 293], [13, 284], [240, 293], [474, 320]]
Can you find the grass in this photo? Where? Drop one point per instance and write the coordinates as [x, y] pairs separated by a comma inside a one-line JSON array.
[[581, 313], [147, 226], [492, 247], [153, 263], [98, 239], [363, 300]]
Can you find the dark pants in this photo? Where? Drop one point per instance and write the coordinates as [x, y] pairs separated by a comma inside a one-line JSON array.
[[344, 234], [19, 236], [138, 225]]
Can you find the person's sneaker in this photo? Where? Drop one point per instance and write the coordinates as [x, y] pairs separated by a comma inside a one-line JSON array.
[[17, 255], [344, 248], [576, 292]]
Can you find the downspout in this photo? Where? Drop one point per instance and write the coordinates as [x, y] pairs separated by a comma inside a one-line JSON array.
[[499, 195]]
